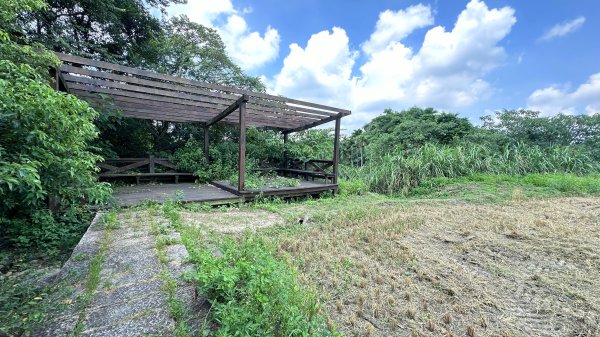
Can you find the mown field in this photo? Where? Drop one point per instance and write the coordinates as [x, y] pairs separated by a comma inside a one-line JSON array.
[[471, 256], [476, 257]]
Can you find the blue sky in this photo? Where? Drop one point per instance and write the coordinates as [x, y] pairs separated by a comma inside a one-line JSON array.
[[469, 57]]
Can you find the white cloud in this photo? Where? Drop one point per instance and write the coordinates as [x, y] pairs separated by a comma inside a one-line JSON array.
[[395, 26], [446, 72], [249, 49], [319, 72], [555, 99], [563, 29], [203, 11]]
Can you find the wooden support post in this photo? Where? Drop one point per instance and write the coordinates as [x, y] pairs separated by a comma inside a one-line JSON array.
[[242, 144], [151, 164], [336, 150], [57, 79], [206, 140], [285, 153]]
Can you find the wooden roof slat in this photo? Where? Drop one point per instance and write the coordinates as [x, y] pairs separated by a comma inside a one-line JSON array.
[[175, 94], [112, 92], [146, 94], [187, 120], [200, 115], [129, 111], [180, 88], [74, 82], [150, 74]]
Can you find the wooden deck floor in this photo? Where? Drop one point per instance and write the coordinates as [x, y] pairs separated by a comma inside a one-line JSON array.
[[191, 192], [306, 187], [222, 192]]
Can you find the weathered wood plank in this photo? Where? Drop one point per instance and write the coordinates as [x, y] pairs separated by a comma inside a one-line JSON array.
[[106, 166], [132, 166], [136, 174], [165, 163], [191, 117], [200, 113], [204, 100]]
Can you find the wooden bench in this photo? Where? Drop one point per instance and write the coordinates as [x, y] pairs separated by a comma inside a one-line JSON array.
[[306, 174], [117, 168]]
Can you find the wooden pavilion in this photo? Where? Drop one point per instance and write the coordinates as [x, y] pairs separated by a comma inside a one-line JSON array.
[[145, 94]]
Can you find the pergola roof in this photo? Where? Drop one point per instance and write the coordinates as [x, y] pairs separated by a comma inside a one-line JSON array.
[[148, 95]]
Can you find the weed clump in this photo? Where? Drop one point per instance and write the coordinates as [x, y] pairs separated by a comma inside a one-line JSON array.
[[253, 293]]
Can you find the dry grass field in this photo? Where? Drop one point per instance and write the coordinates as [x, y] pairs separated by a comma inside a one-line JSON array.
[[452, 268]]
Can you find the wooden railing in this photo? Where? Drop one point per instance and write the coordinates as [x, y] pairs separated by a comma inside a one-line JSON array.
[[144, 167]]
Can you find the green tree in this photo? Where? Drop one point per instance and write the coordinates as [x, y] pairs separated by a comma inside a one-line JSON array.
[[406, 129], [109, 30], [528, 127], [191, 50]]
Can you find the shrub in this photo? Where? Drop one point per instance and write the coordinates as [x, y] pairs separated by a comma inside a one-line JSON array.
[[352, 187], [191, 158], [46, 169], [44, 233], [255, 179], [44, 136]]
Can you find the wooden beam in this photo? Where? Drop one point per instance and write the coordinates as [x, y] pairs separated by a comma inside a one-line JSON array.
[[206, 139], [229, 110], [242, 144], [312, 125], [336, 150], [59, 80]]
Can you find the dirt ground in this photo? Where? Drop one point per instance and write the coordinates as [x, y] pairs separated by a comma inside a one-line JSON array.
[[232, 220], [523, 268]]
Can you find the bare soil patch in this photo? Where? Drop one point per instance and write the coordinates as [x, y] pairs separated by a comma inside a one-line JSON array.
[[232, 220], [525, 268]]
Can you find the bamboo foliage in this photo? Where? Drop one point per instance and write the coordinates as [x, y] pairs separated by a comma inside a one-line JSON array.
[[400, 172]]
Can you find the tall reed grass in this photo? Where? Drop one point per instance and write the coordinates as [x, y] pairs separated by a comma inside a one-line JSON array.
[[401, 172]]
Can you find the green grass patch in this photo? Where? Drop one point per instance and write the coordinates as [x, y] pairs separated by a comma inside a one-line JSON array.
[[159, 230], [505, 187]]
